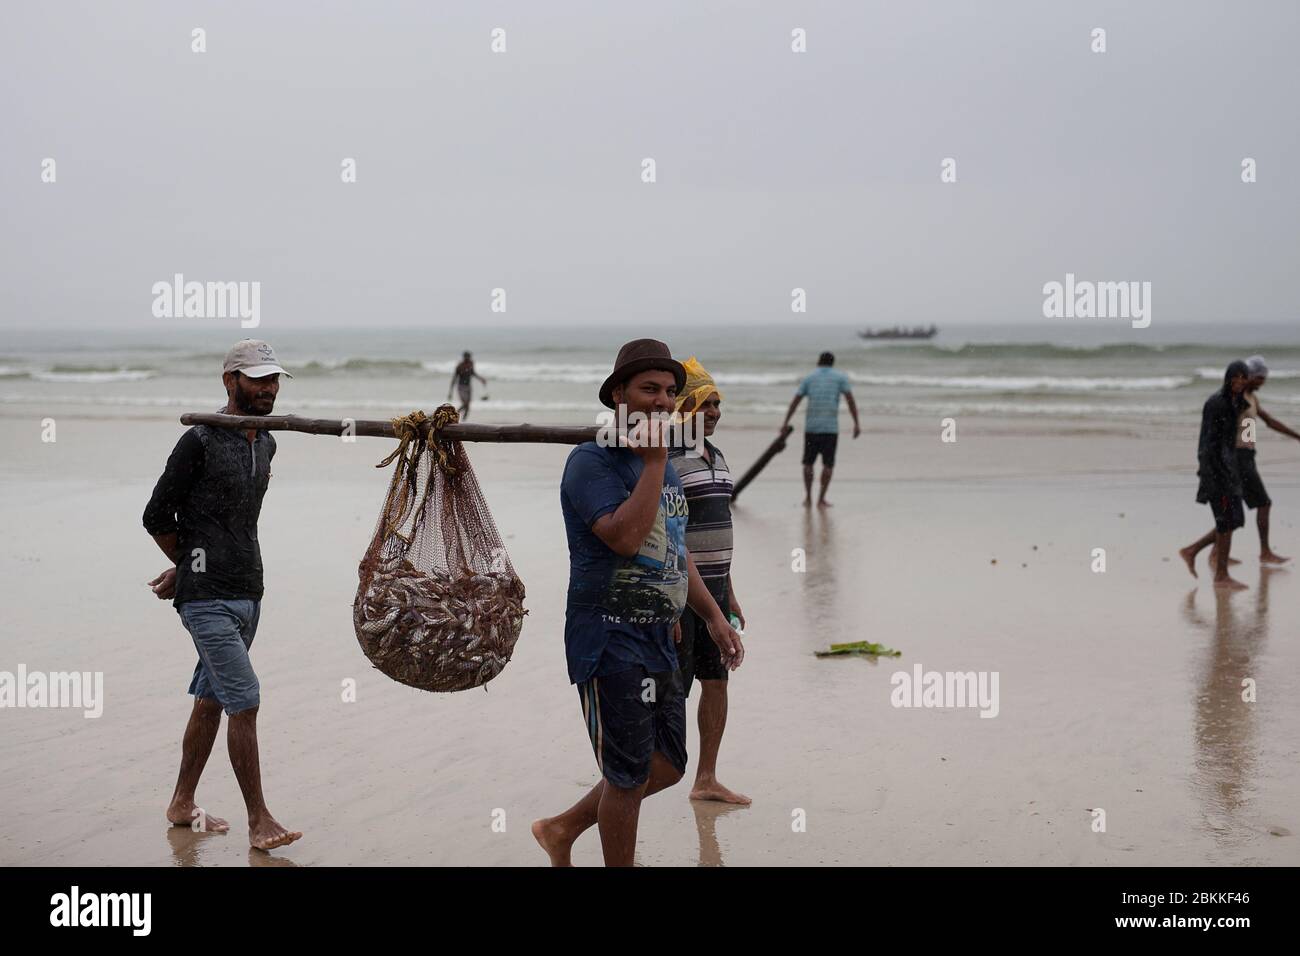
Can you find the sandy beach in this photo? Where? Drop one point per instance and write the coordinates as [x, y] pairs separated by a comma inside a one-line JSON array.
[[1118, 690]]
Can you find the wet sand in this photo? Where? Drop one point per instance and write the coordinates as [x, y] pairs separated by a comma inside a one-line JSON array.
[[1119, 691]]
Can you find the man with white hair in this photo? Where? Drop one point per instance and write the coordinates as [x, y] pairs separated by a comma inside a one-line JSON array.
[[1252, 485]]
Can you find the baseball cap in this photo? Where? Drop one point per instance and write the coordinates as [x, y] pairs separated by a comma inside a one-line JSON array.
[[253, 358]]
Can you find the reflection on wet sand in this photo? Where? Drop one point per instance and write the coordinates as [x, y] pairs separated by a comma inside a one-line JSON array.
[[820, 589], [262, 858], [707, 813], [191, 848], [1224, 726]]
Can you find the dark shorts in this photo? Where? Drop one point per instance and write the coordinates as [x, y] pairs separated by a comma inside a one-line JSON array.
[[222, 632], [1228, 513], [464, 392], [629, 716], [817, 443], [698, 657], [1252, 486]]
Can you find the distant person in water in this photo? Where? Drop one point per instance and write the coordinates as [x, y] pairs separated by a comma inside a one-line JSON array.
[[823, 387], [1220, 474], [1253, 492], [461, 380]]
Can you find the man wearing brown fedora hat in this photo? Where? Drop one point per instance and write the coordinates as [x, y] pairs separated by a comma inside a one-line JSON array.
[[630, 576]]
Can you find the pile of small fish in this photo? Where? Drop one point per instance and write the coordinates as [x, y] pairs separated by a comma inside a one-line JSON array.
[[439, 631]]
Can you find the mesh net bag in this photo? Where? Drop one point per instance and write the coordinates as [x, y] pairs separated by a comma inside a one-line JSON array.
[[439, 605]]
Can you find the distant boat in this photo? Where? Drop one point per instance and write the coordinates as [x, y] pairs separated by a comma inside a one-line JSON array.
[[917, 332]]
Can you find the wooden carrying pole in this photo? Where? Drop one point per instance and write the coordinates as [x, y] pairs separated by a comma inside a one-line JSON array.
[[462, 431], [763, 459]]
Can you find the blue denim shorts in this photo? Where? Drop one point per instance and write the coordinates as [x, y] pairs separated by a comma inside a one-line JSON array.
[[222, 632]]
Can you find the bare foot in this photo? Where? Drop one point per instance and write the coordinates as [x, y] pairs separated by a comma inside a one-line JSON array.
[[1189, 558], [1268, 557], [185, 813], [807, 502], [823, 503], [266, 834], [1231, 584], [712, 790], [1214, 556], [553, 840]]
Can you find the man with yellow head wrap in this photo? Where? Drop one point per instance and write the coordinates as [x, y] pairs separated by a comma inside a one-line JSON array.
[[698, 389], [707, 484]]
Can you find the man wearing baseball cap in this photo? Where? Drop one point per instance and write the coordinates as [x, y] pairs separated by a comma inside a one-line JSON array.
[[630, 576], [203, 515]]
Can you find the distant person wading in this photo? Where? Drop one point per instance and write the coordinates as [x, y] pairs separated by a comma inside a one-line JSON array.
[[1253, 492], [1219, 472], [823, 388], [462, 380]]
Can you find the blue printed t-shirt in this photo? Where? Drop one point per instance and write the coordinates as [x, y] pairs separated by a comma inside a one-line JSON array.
[[824, 388], [620, 611]]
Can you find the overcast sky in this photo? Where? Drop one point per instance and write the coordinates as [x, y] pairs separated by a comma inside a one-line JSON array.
[[522, 169]]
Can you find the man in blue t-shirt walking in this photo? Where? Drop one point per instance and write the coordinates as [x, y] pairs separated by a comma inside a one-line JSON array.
[[823, 387], [630, 576]]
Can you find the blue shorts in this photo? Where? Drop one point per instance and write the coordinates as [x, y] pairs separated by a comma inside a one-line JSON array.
[[629, 716], [222, 632]]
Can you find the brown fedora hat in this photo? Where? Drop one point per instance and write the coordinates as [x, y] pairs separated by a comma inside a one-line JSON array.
[[640, 355]]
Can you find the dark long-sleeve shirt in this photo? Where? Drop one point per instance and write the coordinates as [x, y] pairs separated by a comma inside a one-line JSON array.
[[1216, 451], [210, 494]]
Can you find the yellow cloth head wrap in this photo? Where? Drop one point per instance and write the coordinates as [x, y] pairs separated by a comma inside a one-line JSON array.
[[699, 387]]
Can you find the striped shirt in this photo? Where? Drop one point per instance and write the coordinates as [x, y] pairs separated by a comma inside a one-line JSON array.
[[707, 485]]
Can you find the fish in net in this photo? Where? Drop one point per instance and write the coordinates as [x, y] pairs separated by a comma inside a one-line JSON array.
[[439, 605]]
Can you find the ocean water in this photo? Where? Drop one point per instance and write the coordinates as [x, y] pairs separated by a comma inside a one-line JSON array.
[[1066, 370]]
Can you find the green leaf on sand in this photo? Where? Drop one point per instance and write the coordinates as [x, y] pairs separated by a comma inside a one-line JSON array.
[[860, 647]]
